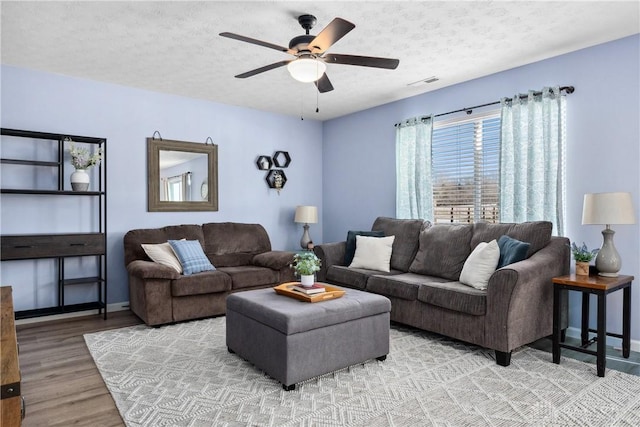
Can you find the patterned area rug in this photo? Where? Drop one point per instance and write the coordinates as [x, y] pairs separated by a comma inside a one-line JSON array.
[[182, 375]]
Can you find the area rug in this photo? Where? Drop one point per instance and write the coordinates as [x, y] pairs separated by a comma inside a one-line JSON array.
[[183, 375]]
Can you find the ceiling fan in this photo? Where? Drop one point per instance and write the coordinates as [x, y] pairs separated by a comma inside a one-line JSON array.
[[311, 53]]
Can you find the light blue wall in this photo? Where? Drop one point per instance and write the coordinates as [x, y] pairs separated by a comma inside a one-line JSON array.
[[356, 152], [46, 102], [603, 152]]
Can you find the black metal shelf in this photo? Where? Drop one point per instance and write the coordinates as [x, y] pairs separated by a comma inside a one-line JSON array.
[[82, 280], [61, 246], [30, 162], [52, 192], [50, 136], [48, 311]]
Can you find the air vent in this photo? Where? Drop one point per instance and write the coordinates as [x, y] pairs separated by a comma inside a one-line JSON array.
[[428, 80]]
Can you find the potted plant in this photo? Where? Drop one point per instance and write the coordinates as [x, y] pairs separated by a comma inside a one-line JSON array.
[[82, 160], [582, 255], [305, 264]]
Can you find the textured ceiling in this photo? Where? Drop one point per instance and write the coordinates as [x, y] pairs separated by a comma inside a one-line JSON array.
[[174, 47]]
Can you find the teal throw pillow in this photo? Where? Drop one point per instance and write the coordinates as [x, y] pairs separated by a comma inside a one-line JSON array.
[[350, 249], [191, 256], [511, 250]]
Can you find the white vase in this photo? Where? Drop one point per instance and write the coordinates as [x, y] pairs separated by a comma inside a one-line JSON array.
[[80, 180], [307, 280]]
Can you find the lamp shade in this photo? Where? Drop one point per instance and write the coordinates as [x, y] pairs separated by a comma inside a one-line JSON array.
[[306, 214], [608, 208], [306, 70]]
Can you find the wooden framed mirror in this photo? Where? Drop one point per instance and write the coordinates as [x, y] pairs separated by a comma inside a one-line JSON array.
[[181, 176]]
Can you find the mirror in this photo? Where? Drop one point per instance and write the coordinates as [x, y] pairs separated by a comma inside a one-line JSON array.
[[174, 170]]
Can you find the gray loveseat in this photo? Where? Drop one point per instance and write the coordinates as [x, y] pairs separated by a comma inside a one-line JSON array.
[[423, 286], [241, 254]]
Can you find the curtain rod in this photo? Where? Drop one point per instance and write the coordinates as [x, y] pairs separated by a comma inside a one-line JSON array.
[[469, 110]]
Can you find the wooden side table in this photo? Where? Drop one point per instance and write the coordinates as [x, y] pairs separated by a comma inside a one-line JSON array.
[[601, 287], [11, 404]]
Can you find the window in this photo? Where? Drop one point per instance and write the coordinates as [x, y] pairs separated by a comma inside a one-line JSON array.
[[465, 169]]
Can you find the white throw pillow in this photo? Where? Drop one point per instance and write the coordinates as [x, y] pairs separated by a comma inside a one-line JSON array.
[[373, 253], [163, 254], [480, 265]]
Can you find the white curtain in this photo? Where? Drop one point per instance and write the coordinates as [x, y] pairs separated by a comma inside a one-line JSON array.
[[532, 158], [414, 186]]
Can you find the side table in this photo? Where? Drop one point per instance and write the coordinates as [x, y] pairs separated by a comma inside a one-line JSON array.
[[601, 287]]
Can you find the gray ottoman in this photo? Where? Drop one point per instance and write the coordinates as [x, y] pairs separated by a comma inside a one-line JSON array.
[[293, 340]]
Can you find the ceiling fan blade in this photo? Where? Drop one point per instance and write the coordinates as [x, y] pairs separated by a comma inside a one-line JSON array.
[[324, 84], [262, 69], [255, 41], [363, 61], [330, 34]]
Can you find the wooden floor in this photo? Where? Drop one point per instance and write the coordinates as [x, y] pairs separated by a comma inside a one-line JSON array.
[[62, 386], [60, 383]]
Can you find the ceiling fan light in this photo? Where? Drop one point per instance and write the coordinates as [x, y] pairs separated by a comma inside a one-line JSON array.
[[306, 70]]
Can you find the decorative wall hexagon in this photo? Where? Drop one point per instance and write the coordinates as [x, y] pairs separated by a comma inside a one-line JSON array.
[[264, 163], [281, 159]]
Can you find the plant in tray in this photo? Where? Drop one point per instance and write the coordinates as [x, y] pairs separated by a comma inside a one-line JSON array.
[[306, 263]]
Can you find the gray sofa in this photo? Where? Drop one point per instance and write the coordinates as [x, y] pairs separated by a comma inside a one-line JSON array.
[[426, 261], [241, 254]]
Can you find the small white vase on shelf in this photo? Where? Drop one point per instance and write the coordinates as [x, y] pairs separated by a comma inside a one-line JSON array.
[[80, 180], [307, 280]]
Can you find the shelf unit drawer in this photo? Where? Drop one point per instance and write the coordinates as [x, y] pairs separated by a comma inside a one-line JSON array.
[[31, 246]]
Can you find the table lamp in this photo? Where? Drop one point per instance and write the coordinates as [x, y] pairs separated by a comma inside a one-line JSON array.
[[608, 208], [306, 215]]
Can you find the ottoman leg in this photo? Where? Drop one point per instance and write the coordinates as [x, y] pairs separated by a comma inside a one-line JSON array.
[[289, 387], [382, 358]]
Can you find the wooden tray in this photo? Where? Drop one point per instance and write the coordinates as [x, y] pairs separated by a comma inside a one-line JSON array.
[[332, 292]]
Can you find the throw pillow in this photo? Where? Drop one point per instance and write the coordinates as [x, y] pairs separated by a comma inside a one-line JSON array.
[[443, 250], [373, 253], [511, 250], [480, 265], [162, 254], [191, 256], [350, 248]]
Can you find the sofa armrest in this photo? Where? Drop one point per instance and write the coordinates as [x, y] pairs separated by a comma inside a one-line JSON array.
[[151, 270], [520, 297], [275, 260], [329, 254]]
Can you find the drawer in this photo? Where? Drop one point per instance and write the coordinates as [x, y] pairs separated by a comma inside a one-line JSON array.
[[31, 246]]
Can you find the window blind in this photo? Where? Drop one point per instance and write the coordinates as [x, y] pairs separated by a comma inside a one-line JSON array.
[[465, 168]]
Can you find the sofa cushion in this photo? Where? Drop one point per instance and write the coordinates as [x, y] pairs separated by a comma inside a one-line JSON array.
[[207, 282], [162, 254], [405, 246], [350, 248], [443, 250], [276, 260], [511, 250], [536, 233], [352, 277], [453, 296], [404, 286], [480, 265], [250, 276], [134, 239], [231, 244], [373, 253], [191, 256]]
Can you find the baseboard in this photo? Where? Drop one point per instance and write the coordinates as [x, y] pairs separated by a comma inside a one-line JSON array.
[[612, 341], [118, 306]]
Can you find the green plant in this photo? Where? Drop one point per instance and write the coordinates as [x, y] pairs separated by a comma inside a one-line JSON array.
[[582, 253], [80, 158], [306, 263]]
